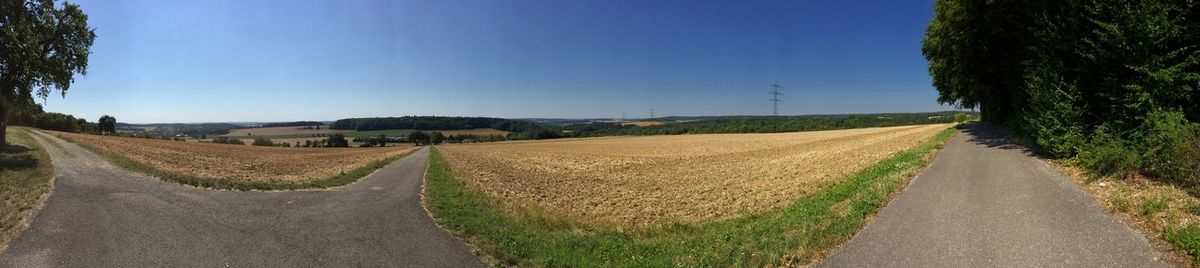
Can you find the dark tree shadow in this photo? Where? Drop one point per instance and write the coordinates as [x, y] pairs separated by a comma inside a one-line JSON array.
[[16, 157], [996, 137]]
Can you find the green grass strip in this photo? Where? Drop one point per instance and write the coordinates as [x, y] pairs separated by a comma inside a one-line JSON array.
[[791, 235], [229, 184]]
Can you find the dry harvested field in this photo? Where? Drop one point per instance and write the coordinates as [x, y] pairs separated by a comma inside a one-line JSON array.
[[265, 131], [477, 132], [238, 162], [649, 179]]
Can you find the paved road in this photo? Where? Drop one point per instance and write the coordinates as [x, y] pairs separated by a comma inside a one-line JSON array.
[[100, 216], [985, 202]]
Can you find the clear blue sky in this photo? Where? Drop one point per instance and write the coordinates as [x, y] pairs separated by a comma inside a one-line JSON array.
[[218, 60]]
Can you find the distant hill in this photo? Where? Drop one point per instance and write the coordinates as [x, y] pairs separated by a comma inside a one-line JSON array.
[[434, 123], [760, 124]]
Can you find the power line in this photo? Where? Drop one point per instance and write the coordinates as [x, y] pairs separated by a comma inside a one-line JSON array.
[[651, 114], [775, 96]]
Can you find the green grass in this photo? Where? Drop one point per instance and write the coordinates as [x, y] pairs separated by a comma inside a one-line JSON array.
[[217, 183], [25, 176], [792, 235]]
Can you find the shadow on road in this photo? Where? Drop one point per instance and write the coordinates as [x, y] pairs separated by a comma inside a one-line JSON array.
[[15, 157], [994, 137]]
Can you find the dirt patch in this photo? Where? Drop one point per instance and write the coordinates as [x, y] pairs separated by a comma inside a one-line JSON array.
[[687, 178], [26, 176]]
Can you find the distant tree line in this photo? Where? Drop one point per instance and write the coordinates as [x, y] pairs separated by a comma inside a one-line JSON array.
[[433, 123], [764, 124], [1114, 84], [293, 124]]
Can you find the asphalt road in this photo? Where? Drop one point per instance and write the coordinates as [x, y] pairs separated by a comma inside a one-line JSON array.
[[985, 202], [101, 216]]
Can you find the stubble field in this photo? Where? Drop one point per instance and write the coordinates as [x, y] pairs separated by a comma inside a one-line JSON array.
[[238, 162], [686, 178]]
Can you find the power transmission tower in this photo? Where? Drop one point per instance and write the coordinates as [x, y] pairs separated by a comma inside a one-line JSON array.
[[651, 114], [775, 96]]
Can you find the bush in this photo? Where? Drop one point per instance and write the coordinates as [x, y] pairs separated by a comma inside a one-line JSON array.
[[262, 142], [960, 117], [1173, 148], [337, 140], [227, 140], [1107, 155]]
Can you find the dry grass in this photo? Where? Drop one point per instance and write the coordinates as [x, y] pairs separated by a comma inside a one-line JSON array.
[[238, 162], [26, 176], [687, 178], [266, 131]]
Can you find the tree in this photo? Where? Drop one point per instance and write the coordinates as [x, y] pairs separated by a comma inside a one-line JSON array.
[[418, 137], [337, 140], [108, 124], [42, 47], [437, 138], [382, 140]]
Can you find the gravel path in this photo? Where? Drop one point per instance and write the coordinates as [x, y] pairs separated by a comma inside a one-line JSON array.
[[101, 216], [985, 202]]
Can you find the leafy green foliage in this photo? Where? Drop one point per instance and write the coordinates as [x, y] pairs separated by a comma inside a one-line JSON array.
[[42, 46], [1108, 155], [1086, 78]]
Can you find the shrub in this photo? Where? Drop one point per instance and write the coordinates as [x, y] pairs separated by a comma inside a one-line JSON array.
[[960, 117], [1107, 155], [227, 140], [1173, 148], [262, 142], [337, 140]]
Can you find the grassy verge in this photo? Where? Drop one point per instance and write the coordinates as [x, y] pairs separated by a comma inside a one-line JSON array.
[[26, 176], [793, 235], [1165, 212], [333, 181]]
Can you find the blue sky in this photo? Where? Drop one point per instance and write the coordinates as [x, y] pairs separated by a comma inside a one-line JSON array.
[[217, 60]]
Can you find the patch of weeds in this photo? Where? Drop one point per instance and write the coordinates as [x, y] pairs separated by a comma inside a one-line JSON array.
[[1186, 238], [1122, 199], [1148, 206]]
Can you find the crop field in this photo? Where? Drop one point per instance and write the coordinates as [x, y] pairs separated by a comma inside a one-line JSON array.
[[238, 162], [685, 178]]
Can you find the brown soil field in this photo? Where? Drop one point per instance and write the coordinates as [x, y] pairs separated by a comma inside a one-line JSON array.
[[238, 162], [686, 178], [477, 132], [264, 131]]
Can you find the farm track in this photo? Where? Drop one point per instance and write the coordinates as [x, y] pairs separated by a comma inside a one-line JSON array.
[[987, 202], [100, 216]]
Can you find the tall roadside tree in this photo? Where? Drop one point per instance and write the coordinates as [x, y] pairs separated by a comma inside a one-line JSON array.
[[43, 44]]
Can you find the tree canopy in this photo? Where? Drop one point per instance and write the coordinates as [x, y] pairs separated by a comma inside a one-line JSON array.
[[42, 46], [1078, 77]]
